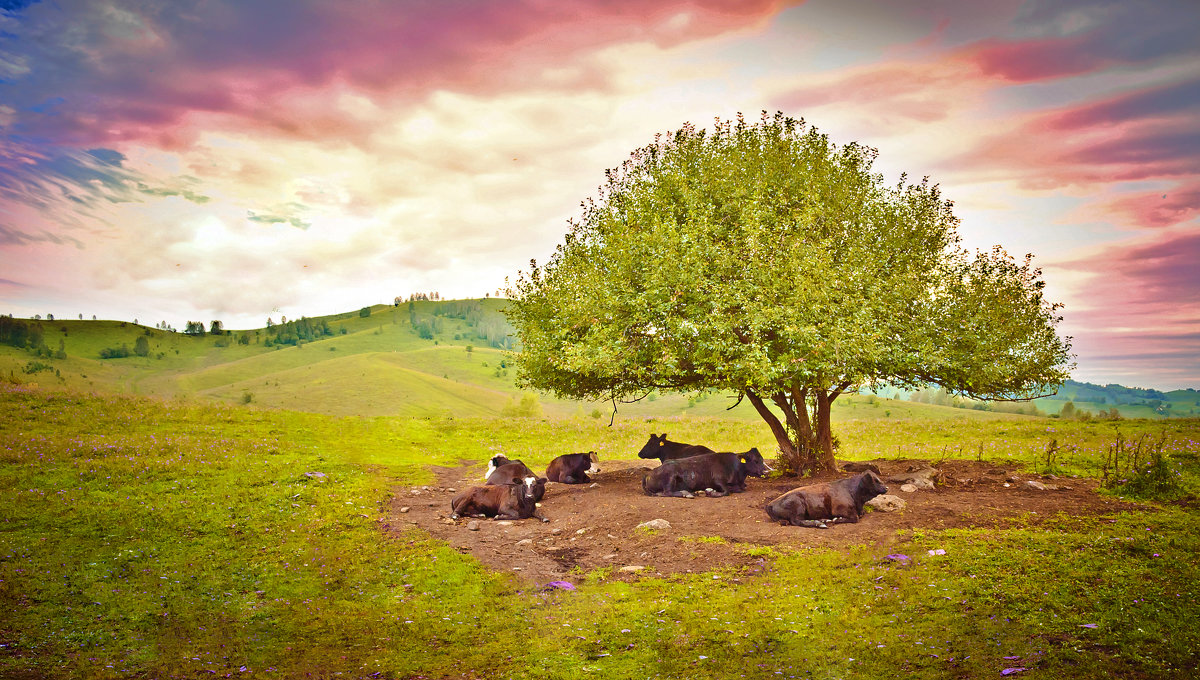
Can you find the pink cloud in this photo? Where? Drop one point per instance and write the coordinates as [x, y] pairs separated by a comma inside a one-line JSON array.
[[1155, 210], [1138, 313], [899, 93], [1033, 60], [127, 76], [1142, 134]]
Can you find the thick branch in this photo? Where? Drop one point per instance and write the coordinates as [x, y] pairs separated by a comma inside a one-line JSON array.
[[772, 421]]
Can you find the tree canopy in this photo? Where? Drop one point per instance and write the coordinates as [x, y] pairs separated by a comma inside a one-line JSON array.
[[764, 260]]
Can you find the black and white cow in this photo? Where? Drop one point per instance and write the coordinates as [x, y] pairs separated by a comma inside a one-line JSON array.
[[818, 505], [502, 501], [718, 474], [658, 447], [572, 468]]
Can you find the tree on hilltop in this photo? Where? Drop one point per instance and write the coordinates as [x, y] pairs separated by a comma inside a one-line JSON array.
[[764, 260]]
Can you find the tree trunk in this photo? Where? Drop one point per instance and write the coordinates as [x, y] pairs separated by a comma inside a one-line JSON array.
[[805, 437]]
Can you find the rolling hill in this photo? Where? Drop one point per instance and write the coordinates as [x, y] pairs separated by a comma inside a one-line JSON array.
[[420, 358]]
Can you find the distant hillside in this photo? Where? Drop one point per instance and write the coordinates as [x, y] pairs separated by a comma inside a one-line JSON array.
[[420, 358], [1131, 402]]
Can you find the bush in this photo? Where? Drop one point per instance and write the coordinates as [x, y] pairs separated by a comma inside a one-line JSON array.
[[528, 407], [364, 312]]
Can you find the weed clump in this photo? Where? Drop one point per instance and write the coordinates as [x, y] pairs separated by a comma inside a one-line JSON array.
[[1139, 468]]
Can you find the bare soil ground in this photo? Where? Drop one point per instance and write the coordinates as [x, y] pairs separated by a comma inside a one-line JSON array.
[[594, 525]]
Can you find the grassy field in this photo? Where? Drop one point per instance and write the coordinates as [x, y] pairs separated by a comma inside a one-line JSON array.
[[172, 538]]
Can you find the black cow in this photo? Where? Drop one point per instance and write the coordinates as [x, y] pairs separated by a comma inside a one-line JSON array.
[[572, 468], [658, 447], [504, 501], [818, 505], [718, 473], [502, 471]]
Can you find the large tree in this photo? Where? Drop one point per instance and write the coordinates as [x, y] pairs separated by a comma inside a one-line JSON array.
[[764, 260]]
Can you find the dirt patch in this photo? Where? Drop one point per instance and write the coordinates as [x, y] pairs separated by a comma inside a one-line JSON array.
[[594, 526]]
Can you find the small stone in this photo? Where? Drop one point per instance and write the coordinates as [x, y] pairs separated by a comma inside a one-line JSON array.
[[473, 525], [908, 488], [451, 489], [631, 569], [610, 557], [416, 492], [447, 521], [555, 531], [581, 532], [1035, 485], [404, 509], [516, 569], [655, 524], [504, 523], [593, 485], [525, 541]]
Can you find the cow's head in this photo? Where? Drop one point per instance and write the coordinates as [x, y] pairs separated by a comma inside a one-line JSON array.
[[593, 462], [531, 487], [654, 446], [870, 486], [753, 463]]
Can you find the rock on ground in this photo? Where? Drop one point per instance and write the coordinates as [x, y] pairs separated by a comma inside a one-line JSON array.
[[655, 524], [887, 503]]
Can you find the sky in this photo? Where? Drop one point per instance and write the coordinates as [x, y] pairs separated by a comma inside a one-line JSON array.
[[250, 159]]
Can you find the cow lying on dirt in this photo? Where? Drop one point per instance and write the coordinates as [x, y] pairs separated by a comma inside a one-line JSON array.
[[502, 471], [818, 505], [502, 501], [658, 447], [718, 474], [572, 468]]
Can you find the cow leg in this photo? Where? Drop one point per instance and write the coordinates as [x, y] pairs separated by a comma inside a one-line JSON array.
[[718, 492], [677, 494], [811, 523]]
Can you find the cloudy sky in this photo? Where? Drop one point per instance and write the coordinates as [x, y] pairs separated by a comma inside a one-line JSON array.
[[242, 159]]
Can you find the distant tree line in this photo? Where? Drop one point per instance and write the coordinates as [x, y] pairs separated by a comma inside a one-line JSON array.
[[488, 325], [27, 336], [941, 397], [296, 331]]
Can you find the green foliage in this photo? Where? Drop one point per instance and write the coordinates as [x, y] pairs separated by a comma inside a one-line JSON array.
[[364, 312], [527, 407], [141, 346], [115, 352], [766, 261]]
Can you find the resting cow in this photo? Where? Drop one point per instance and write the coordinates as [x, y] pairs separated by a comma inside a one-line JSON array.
[[572, 468], [819, 505], [503, 501], [658, 447], [719, 474], [502, 471]]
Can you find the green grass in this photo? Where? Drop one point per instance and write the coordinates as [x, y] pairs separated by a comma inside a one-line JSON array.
[[170, 539]]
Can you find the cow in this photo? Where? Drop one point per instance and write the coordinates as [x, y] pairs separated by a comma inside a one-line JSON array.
[[718, 474], [818, 505], [502, 501], [572, 468], [502, 471], [658, 447]]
